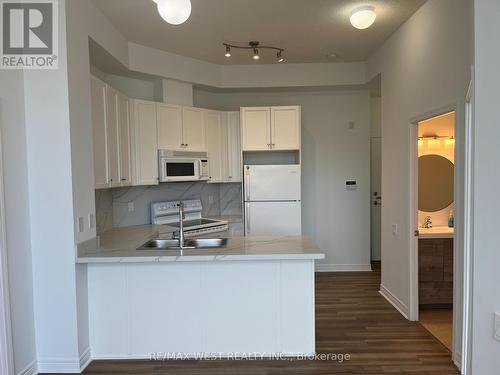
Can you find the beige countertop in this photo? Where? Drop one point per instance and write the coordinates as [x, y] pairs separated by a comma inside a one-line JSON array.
[[436, 232], [120, 244]]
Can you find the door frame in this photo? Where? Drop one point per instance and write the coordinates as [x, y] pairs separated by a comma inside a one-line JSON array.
[[458, 268], [6, 355]]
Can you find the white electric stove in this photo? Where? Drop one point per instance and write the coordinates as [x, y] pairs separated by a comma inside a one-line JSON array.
[[194, 224]]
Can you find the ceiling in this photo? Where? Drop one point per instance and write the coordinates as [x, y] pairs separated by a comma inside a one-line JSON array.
[[308, 30]]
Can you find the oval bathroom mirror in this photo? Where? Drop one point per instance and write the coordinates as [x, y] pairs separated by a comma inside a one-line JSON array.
[[435, 183]]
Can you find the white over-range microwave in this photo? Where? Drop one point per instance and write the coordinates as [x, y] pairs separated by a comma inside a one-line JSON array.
[[177, 166]]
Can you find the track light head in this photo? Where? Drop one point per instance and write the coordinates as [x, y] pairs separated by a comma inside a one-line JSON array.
[[228, 51], [256, 54], [280, 57]]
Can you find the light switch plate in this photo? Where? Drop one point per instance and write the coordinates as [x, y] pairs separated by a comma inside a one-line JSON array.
[[80, 224], [131, 207], [497, 326], [394, 229]]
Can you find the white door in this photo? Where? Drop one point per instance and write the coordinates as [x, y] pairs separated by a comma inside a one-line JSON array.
[[113, 128], [273, 218], [285, 128], [125, 139], [169, 118], [145, 143], [256, 128], [376, 198], [272, 182], [234, 147], [193, 129], [98, 99], [213, 128]]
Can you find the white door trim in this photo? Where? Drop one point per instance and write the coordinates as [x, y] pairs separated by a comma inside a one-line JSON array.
[[6, 350]]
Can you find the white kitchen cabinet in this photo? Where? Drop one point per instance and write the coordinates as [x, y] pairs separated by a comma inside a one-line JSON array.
[[124, 137], [285, 128], [232, 147], [214, 142], [145, 143], [193, 129], [255, 128], [270, 128], [113, 126], [98, 102], [169, 121]]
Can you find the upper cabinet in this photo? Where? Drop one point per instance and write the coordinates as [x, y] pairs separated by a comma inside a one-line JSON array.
[[270, 128], [214, 141], [169, 121], [145, 143], [232, 147], [193, 129], [111, 136]]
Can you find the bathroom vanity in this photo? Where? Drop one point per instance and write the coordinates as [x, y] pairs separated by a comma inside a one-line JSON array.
[[435, 270]]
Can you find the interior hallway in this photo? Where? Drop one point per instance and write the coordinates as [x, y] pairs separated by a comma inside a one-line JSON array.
[[351, 318]]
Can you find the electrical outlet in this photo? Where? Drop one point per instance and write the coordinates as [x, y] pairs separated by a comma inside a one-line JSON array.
[[497, 326], [352, 124], [81, 225], [394, 229], [211, 199], [91, 221], [131, 207]]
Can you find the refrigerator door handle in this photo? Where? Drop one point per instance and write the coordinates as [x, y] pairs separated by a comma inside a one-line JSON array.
[[247, 187]]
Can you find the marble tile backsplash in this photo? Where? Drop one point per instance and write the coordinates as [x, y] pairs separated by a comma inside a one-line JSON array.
[[128, 206]]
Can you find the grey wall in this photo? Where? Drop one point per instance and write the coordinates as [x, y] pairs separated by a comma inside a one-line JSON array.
[[338, 220]]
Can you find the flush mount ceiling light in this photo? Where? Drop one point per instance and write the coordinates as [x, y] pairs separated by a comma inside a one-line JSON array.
[[174, 12], [255, 46], [363, 17]]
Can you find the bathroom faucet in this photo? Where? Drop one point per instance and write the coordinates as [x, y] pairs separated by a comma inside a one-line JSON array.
[[427, 222]]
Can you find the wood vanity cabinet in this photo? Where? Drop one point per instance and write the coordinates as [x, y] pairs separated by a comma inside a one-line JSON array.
[[435, 272]]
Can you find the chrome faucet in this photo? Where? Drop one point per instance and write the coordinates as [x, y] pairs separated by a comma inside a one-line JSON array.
[[427, 222], [181, 224]]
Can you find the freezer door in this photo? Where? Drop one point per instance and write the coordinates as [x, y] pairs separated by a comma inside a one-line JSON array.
[[272, 182], [273, 218]]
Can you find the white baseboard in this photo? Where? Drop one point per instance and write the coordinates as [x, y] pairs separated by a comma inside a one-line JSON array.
[[85, 359], [343, 268], [31, 369], [394, 301], [59, 365]]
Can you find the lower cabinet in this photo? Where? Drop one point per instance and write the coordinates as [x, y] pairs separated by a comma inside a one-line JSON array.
[[435, 272]]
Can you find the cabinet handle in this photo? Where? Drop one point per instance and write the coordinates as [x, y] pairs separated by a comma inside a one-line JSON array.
[[230, 176], [124, 179]]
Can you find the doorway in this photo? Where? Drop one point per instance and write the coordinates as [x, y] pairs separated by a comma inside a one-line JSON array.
[[436, 210]]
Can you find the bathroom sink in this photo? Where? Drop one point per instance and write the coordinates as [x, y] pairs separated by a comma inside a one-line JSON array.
[[191, 243]]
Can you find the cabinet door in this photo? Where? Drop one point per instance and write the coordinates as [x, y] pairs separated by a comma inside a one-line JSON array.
[[125, 139], [98, 101], [255, 127], [193, 129], [213, 128], [169, 121], [285, 128], [112, 136], [235, 166], [145, 143]]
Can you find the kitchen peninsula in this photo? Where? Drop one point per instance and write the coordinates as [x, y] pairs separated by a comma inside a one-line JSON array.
[[255, 295]]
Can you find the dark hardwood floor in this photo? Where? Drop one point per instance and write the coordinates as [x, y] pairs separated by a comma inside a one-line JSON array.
[[351, 318]]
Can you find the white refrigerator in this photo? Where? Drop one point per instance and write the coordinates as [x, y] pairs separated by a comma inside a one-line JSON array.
[[272, 200]]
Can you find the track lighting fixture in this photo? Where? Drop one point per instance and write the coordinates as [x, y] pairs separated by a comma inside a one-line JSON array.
[[255, 46]]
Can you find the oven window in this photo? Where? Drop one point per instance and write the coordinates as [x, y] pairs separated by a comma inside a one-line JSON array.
[[180, 169]]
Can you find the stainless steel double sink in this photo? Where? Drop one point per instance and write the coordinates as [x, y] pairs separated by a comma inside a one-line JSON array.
[[190, 243]]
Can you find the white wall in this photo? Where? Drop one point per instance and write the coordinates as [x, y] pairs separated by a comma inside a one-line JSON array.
[[425, 65], [338, 220], [51, 212], [177, 92], [486, 283], [16, 193]]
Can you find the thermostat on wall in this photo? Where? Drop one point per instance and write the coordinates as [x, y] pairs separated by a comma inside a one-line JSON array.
[[351, 185]]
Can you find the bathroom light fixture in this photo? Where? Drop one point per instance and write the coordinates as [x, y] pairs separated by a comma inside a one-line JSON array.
[[363, 17], [255, 46], [174, 12]]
